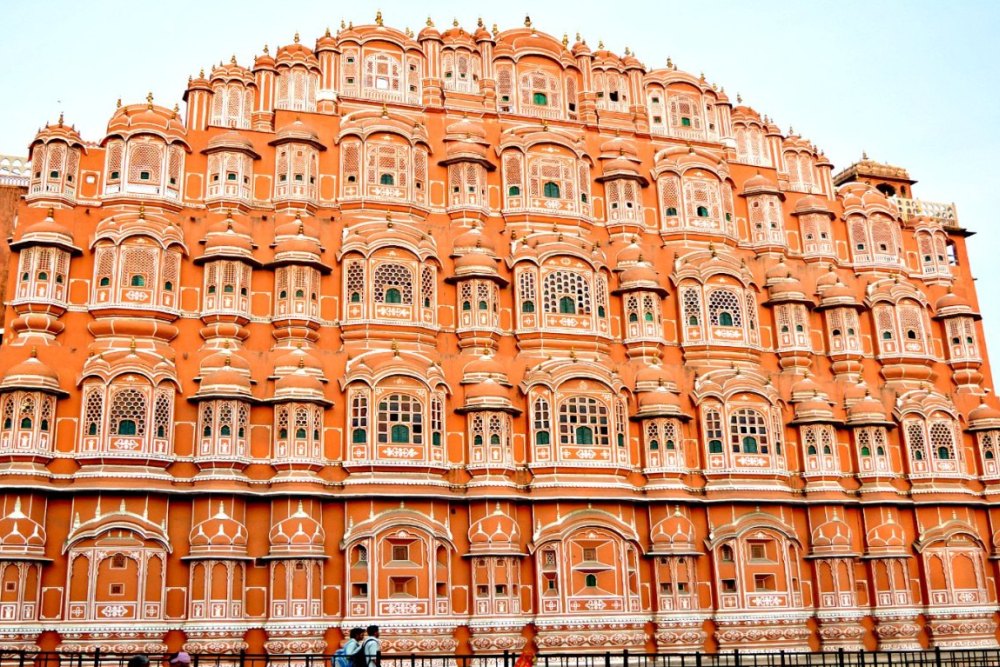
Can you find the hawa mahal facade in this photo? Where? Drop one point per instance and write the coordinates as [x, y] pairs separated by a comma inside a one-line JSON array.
[[495, 340]]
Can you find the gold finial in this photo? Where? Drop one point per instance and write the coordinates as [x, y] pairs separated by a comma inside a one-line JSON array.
[[142, 211], [578, 37], [34, 352], [266, 52], [670, 63], [60, 119], [378, 17], [50, 213], [479, 22], [739, 98], [600, 44], [628, 51], [232, 59], [454, 23], [527, 21], [149, 99], [565, 39], [702, 77], [131, 346], [385, 110], [177, 109], [296, 38], [545, 124], [430, 22], [327, 33], [343, 24], [395, 348], [864, 155], [496, 30]]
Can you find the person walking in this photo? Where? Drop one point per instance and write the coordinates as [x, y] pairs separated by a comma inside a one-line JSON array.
[[344, 656], [371, 650]]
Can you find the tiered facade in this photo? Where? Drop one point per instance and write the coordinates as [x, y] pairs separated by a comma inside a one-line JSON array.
[[496, 341]]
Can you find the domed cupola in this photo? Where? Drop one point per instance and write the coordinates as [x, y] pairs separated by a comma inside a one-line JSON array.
[[495, 534], [297, 536], [55, 156], [21, 537], [641, 290], [145, 147], [41, 291], [219, 537]]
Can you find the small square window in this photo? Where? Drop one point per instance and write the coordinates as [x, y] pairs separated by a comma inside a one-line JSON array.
[[116, 589], [144, 175], [359, 590], [728, 585], [10, 586], [400, 552], [590, 554]]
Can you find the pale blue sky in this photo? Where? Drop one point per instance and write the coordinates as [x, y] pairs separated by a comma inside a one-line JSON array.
[[914, 83]]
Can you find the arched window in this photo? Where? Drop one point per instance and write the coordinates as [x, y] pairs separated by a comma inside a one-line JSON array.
[[540, 99], [400, 420], [138, 281], [527, 306], [748, 432], [386, 179], [586, 418], [567, 305], [513, 191], [550, 190], [392, 295], [126, 427], [702, 212], [725, 319]]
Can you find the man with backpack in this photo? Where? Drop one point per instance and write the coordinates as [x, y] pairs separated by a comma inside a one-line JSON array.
[[345, 654], [370, 653]]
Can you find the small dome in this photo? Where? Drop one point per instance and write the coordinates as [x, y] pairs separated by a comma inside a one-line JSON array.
[[219, 535], [46, 232], [485, 366], [297, 535], [868, 411], [778, 273], [816, 410], [674, 535], [147, 119], [231, 71], [984, 417], [20, 535], [59, 132], [299, 386], [467, 129], [811, 204], [789, 290], [887, 538], [496, 533], [230, 141], [32, 374], [473, 240], [832, 537], [487, 389], [297, 132], [298, 357], [952, 305], [225, 381], [760, 184]]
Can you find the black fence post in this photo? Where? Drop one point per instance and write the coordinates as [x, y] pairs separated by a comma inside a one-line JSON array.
[[625, 658], [937, 656], [697, 659], [243, 657], [840, 657], [781, 657], [736, 657], [607, 659], [20, 658], [506, 658], [97, 657]]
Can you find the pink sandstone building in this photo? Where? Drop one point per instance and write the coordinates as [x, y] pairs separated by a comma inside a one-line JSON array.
[[498, 341]]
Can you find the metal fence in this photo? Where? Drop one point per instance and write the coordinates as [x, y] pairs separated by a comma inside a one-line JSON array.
[[928, 658]]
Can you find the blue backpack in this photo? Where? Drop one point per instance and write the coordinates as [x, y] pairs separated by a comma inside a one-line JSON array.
[[340, 659]]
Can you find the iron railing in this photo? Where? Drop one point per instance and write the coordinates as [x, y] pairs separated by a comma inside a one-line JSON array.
[[974, 657]]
